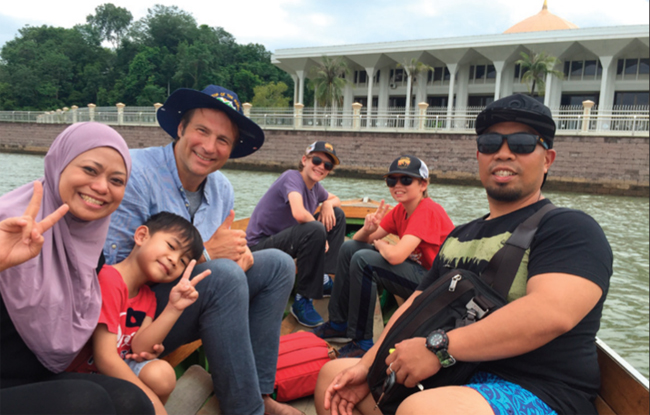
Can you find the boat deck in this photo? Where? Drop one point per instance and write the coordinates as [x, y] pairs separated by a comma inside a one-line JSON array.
[[624, 391], [195, 386]]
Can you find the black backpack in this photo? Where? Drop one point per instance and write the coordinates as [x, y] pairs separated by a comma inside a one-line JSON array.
[[456, 299]]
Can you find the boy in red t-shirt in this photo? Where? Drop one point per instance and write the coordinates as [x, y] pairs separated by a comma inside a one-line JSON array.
[[421, 225], [165, 246]]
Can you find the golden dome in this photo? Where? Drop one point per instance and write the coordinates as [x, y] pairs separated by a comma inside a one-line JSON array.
[[542, 21]]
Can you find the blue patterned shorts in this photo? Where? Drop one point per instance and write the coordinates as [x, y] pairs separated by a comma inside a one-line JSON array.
[[507, 398]]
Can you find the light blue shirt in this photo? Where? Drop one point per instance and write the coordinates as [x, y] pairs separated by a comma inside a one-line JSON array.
[[154, 186]]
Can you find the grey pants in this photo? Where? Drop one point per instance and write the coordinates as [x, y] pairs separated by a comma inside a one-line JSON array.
[[359, 270]]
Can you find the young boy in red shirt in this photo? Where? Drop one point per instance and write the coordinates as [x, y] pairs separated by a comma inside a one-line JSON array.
[[421, 225], [165, 246]]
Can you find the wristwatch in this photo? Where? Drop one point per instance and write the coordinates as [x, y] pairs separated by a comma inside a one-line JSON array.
[[438, 342]]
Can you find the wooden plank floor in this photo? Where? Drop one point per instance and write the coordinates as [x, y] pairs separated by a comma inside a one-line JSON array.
[[195, 386], [290, 324]]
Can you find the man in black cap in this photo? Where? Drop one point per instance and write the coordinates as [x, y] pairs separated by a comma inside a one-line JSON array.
[[537, 353], [240, 307]]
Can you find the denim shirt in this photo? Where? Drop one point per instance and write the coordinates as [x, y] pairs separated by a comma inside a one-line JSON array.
[[154, 186]]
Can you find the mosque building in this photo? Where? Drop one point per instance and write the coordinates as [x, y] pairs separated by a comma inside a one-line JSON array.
[[608, 65]]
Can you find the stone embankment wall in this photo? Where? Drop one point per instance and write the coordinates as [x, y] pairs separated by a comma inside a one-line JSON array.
[[586, 164]]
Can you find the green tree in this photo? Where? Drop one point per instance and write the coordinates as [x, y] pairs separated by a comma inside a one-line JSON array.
[[535, 68], [244, 83], [413, 68], [150, 94], [111, 23], [328, 79], [193, 62], [165, 27], [44, 66], [271, 95], [140, 74]]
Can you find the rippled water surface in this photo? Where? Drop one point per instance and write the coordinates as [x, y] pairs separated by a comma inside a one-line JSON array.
[[625, 322]]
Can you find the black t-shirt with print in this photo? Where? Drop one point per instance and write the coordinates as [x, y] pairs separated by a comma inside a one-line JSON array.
[[563, 373]]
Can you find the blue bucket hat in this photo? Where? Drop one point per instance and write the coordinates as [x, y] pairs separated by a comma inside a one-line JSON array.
[[251, 136]]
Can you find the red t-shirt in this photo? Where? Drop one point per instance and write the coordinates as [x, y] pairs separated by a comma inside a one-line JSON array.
[[121, 314], [429, 222]]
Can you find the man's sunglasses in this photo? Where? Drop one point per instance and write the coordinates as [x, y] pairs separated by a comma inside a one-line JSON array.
[[391, 181], [328, 165], [519, 143]]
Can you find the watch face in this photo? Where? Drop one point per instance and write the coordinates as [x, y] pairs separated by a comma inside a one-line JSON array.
[[436, 340]]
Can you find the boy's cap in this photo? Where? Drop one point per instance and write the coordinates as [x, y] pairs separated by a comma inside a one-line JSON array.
[[323, 147], [518, 108], [251, 136], [408, 166]]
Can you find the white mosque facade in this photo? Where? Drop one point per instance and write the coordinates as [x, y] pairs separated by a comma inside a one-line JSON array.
[[607, 65]]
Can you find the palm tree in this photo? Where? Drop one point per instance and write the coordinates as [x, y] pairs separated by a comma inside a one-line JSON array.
[[414, 68], [535, 68], [329, 80]]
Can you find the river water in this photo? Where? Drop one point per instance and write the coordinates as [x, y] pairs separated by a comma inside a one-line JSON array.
[[625, 221]]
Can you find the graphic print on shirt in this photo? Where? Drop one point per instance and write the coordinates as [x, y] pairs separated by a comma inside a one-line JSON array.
[[416, 256], [475, 254], [132, 318]]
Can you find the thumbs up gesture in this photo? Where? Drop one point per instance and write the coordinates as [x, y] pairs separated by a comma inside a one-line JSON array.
[[227, 243]]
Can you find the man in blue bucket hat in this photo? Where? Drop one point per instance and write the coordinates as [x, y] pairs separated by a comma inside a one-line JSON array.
[[240, 306]]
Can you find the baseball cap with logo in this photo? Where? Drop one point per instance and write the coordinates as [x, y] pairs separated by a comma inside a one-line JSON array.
[[522, 109], [251, 136], [408, 166], [323, 147]]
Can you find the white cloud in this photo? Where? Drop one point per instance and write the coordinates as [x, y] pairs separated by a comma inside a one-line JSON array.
[[298, 23], [321, 20], [424, 8]]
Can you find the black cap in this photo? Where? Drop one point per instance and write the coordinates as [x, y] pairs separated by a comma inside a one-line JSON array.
[[409, 166], [251, 136], [323, 147], [518, 108]]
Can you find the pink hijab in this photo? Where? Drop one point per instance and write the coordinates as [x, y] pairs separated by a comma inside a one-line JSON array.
[[54, 299]]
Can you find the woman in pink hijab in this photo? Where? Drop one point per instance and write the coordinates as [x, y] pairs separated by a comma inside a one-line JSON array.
[[50, 303]]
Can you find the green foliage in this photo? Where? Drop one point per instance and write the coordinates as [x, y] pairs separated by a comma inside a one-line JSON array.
[[271, 95], [328, 80], [45, 68], [534, 69], [110, 23], [165, 26]]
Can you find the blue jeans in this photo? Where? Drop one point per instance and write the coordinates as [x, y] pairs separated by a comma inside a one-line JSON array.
[[238, 317]]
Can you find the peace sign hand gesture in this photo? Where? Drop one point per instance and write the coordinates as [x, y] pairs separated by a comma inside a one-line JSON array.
[[184, 294], [372, 220], [21, 238]]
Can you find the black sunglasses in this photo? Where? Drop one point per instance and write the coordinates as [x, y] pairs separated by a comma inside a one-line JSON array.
[[328, 165], [391, 181], [519, 143]]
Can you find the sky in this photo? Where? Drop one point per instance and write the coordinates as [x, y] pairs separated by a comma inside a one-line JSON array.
[[282, 24]]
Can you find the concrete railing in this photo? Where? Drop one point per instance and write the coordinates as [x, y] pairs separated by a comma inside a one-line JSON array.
[[587, 119]]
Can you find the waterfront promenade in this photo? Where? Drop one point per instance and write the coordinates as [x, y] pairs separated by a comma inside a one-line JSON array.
[[586, 163]]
